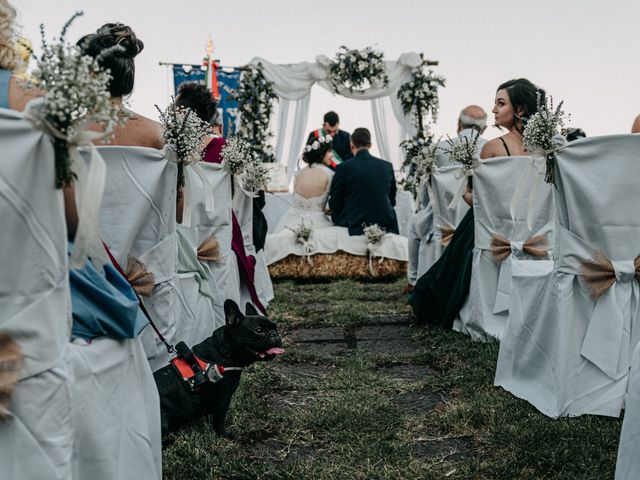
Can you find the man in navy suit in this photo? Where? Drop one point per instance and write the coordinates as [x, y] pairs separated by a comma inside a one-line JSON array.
[[363, 190]]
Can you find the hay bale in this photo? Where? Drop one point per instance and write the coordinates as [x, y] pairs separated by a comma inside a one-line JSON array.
[[336, 265]]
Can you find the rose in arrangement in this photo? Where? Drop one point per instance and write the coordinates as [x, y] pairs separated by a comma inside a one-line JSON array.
[[357, 70]]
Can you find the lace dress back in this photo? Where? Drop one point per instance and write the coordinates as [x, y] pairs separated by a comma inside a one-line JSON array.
[[309, 209]]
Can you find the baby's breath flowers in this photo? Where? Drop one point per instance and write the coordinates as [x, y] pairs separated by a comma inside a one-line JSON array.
[[254, 176], [424, 161], [236, 154], [373, 234], [302, 234], [540, 130], [184, 133], [464, 150], [77, 96]]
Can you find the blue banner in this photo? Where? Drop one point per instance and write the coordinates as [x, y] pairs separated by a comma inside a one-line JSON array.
[[187, 73], [228, 79]]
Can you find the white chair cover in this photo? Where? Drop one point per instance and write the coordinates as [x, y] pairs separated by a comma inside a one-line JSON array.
[[445, 187], [36, 440], [243, 207], [137, 218], [567, 354], [628, 465], [205, 314], [116, 412], [495, 183]]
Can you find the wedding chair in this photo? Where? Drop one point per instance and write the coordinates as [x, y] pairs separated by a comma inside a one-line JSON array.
[[445, 186], [138, 223], [115, 402], [567, 348], [207, 234], [243, 208], [628, 464], [36, 437], [116, 411], [513, 219]]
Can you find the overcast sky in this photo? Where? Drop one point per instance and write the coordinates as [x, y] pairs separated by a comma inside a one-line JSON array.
[[581, 51]]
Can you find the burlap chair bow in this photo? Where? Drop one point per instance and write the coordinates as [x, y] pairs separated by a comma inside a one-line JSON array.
[[11, 359], [600, 273], [535, 246], [142, 281], [209, 250], [447, 234]]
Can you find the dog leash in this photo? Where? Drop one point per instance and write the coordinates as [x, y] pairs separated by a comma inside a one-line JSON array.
[[170, 348]]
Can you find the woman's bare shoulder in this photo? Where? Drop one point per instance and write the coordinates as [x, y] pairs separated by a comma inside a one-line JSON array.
[[492, 148]]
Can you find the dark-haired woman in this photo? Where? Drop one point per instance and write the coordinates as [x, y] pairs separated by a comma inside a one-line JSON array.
[[198, 98], [441, 292], [138, 131], [311, 187]]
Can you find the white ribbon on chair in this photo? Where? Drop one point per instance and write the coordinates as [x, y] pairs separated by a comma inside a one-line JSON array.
[[604, 343], [169, 153], [89, 185]]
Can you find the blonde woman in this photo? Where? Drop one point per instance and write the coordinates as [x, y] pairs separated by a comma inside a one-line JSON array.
[[12, 94]]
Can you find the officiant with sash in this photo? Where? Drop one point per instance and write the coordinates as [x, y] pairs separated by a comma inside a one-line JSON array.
[[341, 139]]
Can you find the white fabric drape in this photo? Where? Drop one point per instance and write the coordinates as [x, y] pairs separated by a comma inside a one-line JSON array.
[[293, 82]]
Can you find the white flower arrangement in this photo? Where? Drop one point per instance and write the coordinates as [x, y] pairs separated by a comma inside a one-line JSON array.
[[357, 70], [424, 162], [255, 96], [236, 154], [184, 133], [464, 150], [303, 234], [255, 176], [77, 96], [373, 234], [540, 130], [317, 143]]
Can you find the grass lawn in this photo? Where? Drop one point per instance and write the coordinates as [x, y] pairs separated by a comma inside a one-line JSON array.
[[361, 395]]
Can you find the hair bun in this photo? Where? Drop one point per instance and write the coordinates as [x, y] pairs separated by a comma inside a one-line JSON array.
[[112, 34]]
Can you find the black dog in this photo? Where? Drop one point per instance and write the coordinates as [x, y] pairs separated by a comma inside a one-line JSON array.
[[241, 342]]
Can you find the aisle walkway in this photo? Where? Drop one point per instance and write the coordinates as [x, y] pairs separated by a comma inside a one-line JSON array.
[[360, 394]]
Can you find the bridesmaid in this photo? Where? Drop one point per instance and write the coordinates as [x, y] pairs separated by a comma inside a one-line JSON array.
[[441, 292]]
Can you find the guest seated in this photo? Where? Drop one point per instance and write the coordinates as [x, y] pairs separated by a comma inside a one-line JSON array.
[[13, 93], [198, 97], [363, 190], [138, 131], [311, 187], [471, 121], [440, 293]]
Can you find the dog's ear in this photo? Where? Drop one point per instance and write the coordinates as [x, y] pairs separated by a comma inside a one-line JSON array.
[[232, 313], [250, 310]]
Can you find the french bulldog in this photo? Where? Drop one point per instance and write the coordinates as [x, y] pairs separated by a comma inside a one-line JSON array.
[[244, 339]]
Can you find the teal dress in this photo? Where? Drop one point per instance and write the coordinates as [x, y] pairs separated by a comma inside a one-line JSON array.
[[5, 77], [103, 304]]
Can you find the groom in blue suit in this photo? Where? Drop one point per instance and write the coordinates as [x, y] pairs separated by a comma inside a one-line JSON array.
[[363, 190]]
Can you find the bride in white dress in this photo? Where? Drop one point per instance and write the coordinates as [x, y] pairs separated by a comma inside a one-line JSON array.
[[308, 209], [310, 189]]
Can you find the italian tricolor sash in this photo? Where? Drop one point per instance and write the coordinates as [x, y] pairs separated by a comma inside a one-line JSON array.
[[337, 159]]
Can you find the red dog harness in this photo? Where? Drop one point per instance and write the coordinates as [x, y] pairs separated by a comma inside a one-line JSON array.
[[195, 372]]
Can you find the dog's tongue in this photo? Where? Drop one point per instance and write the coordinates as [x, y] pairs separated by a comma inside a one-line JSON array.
[[275, 351]]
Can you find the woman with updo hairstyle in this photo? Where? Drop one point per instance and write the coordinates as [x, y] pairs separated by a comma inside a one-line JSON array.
[[138, 130], [441, 292], [12, 94], [311, 187]]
